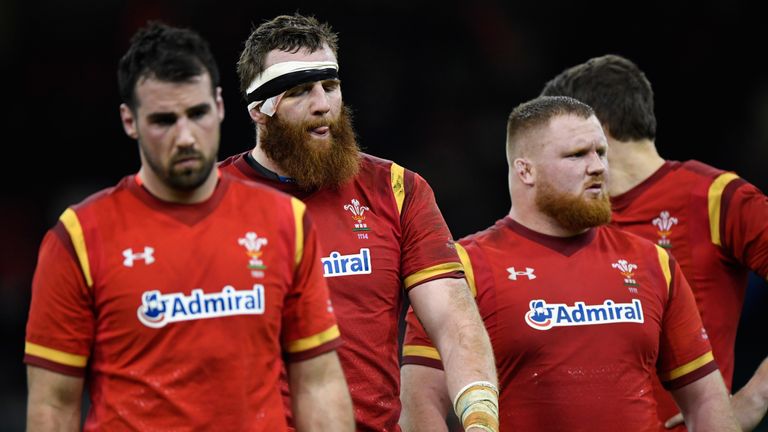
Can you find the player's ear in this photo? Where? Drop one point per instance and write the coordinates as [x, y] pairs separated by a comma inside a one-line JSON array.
[[220, 103], [129, 121], [524, 170], [257, 116]]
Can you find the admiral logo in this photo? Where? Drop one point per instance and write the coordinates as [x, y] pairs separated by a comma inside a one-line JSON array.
[[543, 316], [158, 309], [347, 265]]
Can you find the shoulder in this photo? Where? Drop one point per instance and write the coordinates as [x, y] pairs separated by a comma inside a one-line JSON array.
[[623, 240], [403, 183], [715, 184], [682, 176], [709, 175], [235, 164], [247, 186], [230, 161], [371, 162], [700, 169], [612, 232], [260, 195], [372, 165], [103, 197], [375, 167], [498, 232]]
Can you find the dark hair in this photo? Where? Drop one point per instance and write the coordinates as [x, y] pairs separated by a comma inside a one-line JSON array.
[[286, 33], [538, 112], [616, 89], [166, 53]]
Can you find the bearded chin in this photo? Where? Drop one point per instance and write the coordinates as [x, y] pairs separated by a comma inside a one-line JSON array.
[[574, 213], [313, 163], [183, 180]]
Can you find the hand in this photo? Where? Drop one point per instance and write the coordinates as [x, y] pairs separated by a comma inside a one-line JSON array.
[[674, 421], [748, 407]]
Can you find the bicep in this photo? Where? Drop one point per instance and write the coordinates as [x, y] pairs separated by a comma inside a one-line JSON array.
[[314, 371], [691, 395], [704, 404], [440, 301]]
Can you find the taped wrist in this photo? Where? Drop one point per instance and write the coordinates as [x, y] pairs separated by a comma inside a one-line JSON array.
[[477, 405]]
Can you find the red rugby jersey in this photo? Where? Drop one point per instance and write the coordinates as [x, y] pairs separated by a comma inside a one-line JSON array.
[[716, 226], [579, 326], [381, 233], [179, 315]]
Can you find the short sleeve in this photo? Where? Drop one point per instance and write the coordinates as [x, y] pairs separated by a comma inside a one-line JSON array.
[[309, 324], [427, 246], [685, 354], [60, 327], [743, 226], [417, 347]]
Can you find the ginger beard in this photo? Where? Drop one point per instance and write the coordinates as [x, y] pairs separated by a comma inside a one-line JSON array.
[[573, 212], [313, 163]]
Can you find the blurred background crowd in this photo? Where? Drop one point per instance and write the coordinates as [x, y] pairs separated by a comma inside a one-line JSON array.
[[430, 84]]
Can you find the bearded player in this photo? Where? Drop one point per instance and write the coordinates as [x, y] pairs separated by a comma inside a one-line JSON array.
[[381, 234], [581, 315]]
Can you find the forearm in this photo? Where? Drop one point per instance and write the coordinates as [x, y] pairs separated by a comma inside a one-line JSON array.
[[464, 346], [41, 417], [319, 395], [705, 405], [711, 418], [425, 400], [451, 320], [751, 402], [323, 409]]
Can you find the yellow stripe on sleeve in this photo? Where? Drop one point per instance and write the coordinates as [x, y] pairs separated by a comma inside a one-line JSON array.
[[54, 355], [72, 224], [421, 351], [664, 263], [397, 174], [308, 343], [431, 272], [714, 198], [468, 272], [688, 367], [298, 216]]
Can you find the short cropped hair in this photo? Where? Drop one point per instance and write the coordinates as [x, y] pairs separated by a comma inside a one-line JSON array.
[[536, 114]]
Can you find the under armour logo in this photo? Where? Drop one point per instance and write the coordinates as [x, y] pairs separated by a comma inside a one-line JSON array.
[[513, 274], [130, 257]]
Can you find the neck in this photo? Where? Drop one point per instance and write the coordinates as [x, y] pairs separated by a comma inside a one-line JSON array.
[[156, 187], [537, 221], [258, 154], [631, 162]]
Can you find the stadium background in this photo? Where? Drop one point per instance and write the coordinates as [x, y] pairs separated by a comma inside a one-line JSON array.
[[431, 85]]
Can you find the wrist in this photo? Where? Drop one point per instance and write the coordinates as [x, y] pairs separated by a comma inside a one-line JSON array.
[[477, 406]]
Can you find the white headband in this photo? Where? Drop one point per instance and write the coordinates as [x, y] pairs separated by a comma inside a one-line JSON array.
[[271, 84]]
